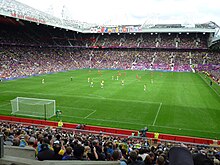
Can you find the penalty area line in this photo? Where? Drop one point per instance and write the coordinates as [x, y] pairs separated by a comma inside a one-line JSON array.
[[184, 129], [90, 114], [86, 97], [3, 105], [81, 109], [104, 120], [7, 110], [158, 110]]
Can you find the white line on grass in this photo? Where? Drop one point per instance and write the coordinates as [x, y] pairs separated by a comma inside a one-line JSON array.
[[3, 91], [86, 97], [8, 110], [140, 124], [71, 116], [89, 114], [209, 85], [188, 129], [2, 105], [82, 109], [97, 96], [113, 121], [158, 110]]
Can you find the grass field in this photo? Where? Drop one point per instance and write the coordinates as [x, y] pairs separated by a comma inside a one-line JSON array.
[[174, 103]]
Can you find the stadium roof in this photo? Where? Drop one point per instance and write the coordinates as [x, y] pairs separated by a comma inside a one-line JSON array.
[[138, 12], [21, 11]]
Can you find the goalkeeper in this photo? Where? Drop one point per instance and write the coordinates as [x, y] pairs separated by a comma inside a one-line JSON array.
[[58, 114]]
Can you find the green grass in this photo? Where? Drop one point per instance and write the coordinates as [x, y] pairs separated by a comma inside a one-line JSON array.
[[175, 103]]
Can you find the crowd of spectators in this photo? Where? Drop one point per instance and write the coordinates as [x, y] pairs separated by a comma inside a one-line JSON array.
[[19, 61], [41, 49], [189, 40], [38, 49], [209, 62], [57, 144]]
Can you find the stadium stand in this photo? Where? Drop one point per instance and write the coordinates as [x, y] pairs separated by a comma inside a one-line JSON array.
[[84, 146], [40, 49]]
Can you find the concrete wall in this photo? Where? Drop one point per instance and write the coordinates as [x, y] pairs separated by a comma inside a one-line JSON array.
[[7, 160], [21, 152], [26, 156]]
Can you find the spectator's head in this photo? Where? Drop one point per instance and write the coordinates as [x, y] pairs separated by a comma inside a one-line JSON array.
[[40, 138], [180, 156], [116, 155], [201, 159], [56, 147], [87, 149], [95, 143], [160, 160], [44, 147], [69, 150], [78, 151], [45, 141], [16, 142], [31, 141], [26, 138], [133, 155]]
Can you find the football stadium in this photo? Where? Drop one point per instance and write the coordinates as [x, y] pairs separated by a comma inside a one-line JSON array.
[[119, 94]]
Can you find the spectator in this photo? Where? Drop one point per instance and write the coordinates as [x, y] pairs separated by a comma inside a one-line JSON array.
[[116, 157], [180, 156], [68, 154], [60, 125], [45, 153], [133, 159], [201, 159], [156, 137], [89, 146], [160, 160], [32, 142], [57, 148]]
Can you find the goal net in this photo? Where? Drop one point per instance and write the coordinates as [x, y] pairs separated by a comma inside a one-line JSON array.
[[34, 107]]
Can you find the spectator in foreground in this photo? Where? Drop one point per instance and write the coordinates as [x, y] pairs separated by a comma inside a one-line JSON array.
[[68, 154], [133, 159], [45, 153], [202, 159], [180, 156], [116, 157]]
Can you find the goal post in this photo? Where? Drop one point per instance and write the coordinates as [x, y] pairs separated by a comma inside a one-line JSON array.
[[34, 107]]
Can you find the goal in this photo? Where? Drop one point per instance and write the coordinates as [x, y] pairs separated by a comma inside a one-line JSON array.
[[34, 107]]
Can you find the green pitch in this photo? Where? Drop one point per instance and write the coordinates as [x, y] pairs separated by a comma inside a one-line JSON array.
[[174, 103]]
